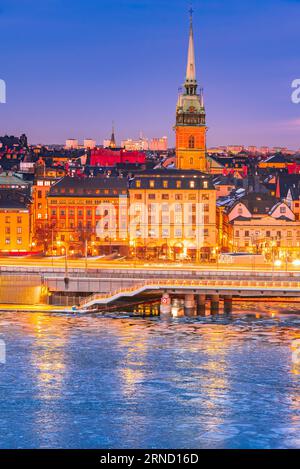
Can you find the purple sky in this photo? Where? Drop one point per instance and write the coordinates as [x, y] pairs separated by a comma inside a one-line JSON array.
[[71, 67]]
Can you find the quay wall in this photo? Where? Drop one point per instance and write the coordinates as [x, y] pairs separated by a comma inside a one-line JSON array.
[[21, 289]]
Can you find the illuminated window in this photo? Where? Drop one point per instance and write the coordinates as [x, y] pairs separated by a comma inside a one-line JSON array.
[[178, 184], [165, 184], [205, 184], [192, 184], [192, 142], [138, 183], [152, 184]]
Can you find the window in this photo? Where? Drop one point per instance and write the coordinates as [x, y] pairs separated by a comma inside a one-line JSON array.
[[19, 219], [151, 196], [165, 184], [39, 216], [268, 234], [39, 194], [247, 234], [152, 184], [237, 234], [192, 184], [165, 197], [282, 209], [178, 184], [7, 219], [7, 241], [19, 230], [205, 185], [192, 142], [19, 240], [205, 196], [138, 183], [138, 196], [7, 230], [178, 196]]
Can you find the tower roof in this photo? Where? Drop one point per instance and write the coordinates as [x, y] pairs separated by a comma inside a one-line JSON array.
[[191, 64]]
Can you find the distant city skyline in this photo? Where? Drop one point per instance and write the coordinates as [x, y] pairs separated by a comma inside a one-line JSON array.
[[72, 68]]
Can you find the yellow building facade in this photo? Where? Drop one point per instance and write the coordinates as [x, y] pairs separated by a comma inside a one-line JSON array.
[[15, 223], [172, 216]]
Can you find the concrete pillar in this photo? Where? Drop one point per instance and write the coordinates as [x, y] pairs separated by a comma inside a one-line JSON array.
[[215, 304], [165, 305], [201, 304], [189, 305], [228, 304], [177, 308]]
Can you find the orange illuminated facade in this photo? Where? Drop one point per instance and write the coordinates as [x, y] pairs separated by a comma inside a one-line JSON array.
[[88, 216]]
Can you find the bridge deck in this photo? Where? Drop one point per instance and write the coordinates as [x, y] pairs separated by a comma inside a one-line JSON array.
[[223, 287]]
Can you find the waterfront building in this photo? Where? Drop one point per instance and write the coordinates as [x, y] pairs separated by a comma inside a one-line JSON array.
[[15, 216], [43, 180], [190, 125], [173, 215], [88, 216], [262, 225]]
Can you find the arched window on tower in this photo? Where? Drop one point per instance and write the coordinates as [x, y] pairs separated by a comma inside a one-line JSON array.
[[192, 142]]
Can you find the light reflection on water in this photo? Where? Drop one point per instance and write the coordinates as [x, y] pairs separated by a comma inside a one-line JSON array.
[[214, 382]]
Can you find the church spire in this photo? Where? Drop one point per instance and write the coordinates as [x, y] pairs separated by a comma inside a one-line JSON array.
[[190, 81], [112, 139]]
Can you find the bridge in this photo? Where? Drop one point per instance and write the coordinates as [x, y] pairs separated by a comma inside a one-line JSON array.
[[201, 289]]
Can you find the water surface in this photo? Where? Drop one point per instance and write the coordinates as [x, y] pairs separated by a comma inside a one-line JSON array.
[[94, 382]]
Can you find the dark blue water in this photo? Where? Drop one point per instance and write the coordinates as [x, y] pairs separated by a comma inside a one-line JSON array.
[[97, 382]]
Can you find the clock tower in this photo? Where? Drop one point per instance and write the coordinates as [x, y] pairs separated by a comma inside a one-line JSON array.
[[190, 118]]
